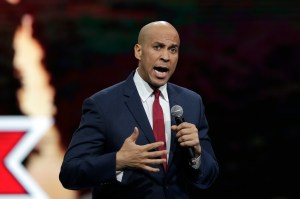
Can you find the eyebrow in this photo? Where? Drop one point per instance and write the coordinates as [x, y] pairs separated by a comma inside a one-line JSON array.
[[162, 44], [174, 46]]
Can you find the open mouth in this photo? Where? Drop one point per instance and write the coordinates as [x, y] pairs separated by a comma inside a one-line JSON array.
[[161, 69]]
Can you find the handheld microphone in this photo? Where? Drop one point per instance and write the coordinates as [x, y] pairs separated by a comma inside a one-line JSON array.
[[177, 112]]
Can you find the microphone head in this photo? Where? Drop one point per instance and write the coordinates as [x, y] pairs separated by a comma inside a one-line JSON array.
[[176, 111]]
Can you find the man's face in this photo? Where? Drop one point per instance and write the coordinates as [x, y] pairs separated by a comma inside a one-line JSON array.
[[158, 55]]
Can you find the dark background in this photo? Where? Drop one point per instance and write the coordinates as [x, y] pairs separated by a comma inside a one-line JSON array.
[[243, 57]]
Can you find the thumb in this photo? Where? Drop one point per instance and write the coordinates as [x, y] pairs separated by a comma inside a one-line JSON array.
[[133, 137]]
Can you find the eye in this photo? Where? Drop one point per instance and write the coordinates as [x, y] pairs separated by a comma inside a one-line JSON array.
[[173, 50], [157, 47]]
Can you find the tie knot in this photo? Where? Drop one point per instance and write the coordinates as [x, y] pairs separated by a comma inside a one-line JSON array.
[[156, 93]]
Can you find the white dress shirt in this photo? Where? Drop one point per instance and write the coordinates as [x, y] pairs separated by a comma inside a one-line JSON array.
[[147, 98]]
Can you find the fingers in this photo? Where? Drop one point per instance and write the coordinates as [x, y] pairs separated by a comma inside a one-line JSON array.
[[136, 156], [191, 139], [152, 152], [147, 166], [156, 154], [153, 146], [151, 169], [185, 129], [152, 159], [188, 143], [181, 126], [187, 134]]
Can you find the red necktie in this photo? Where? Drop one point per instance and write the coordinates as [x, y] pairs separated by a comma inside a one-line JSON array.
[[158, 123]]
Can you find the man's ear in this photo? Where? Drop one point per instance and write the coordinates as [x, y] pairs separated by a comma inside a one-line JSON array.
[[138, 51]]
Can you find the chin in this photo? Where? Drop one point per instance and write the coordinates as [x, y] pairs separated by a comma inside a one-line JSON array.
[[159, 84]]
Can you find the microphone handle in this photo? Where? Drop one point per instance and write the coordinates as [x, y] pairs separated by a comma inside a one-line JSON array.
[[190, 150]]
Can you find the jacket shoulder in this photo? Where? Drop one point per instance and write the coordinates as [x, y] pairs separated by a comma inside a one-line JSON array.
[[183, 91]]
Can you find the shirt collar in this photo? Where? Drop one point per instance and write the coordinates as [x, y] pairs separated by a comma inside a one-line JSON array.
[[144, 89]]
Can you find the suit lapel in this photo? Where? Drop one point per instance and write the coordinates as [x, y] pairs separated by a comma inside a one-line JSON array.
[[135, 106], [173, 101]]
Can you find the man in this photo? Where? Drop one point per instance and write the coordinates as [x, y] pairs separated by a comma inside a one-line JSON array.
[[116, 150]]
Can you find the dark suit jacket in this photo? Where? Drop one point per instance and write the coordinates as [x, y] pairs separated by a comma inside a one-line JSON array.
[[108, 118]]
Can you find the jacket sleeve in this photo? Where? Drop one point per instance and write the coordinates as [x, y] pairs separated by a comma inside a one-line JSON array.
[[208, 171], [85, 158]]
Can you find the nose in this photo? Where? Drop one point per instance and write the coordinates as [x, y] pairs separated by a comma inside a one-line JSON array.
[[165, 56]]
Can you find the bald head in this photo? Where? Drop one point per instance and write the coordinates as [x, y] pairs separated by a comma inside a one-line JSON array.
[[155, 27]]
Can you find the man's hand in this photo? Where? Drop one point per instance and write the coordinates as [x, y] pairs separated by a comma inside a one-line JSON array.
[[187, 136], [136, 156]]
